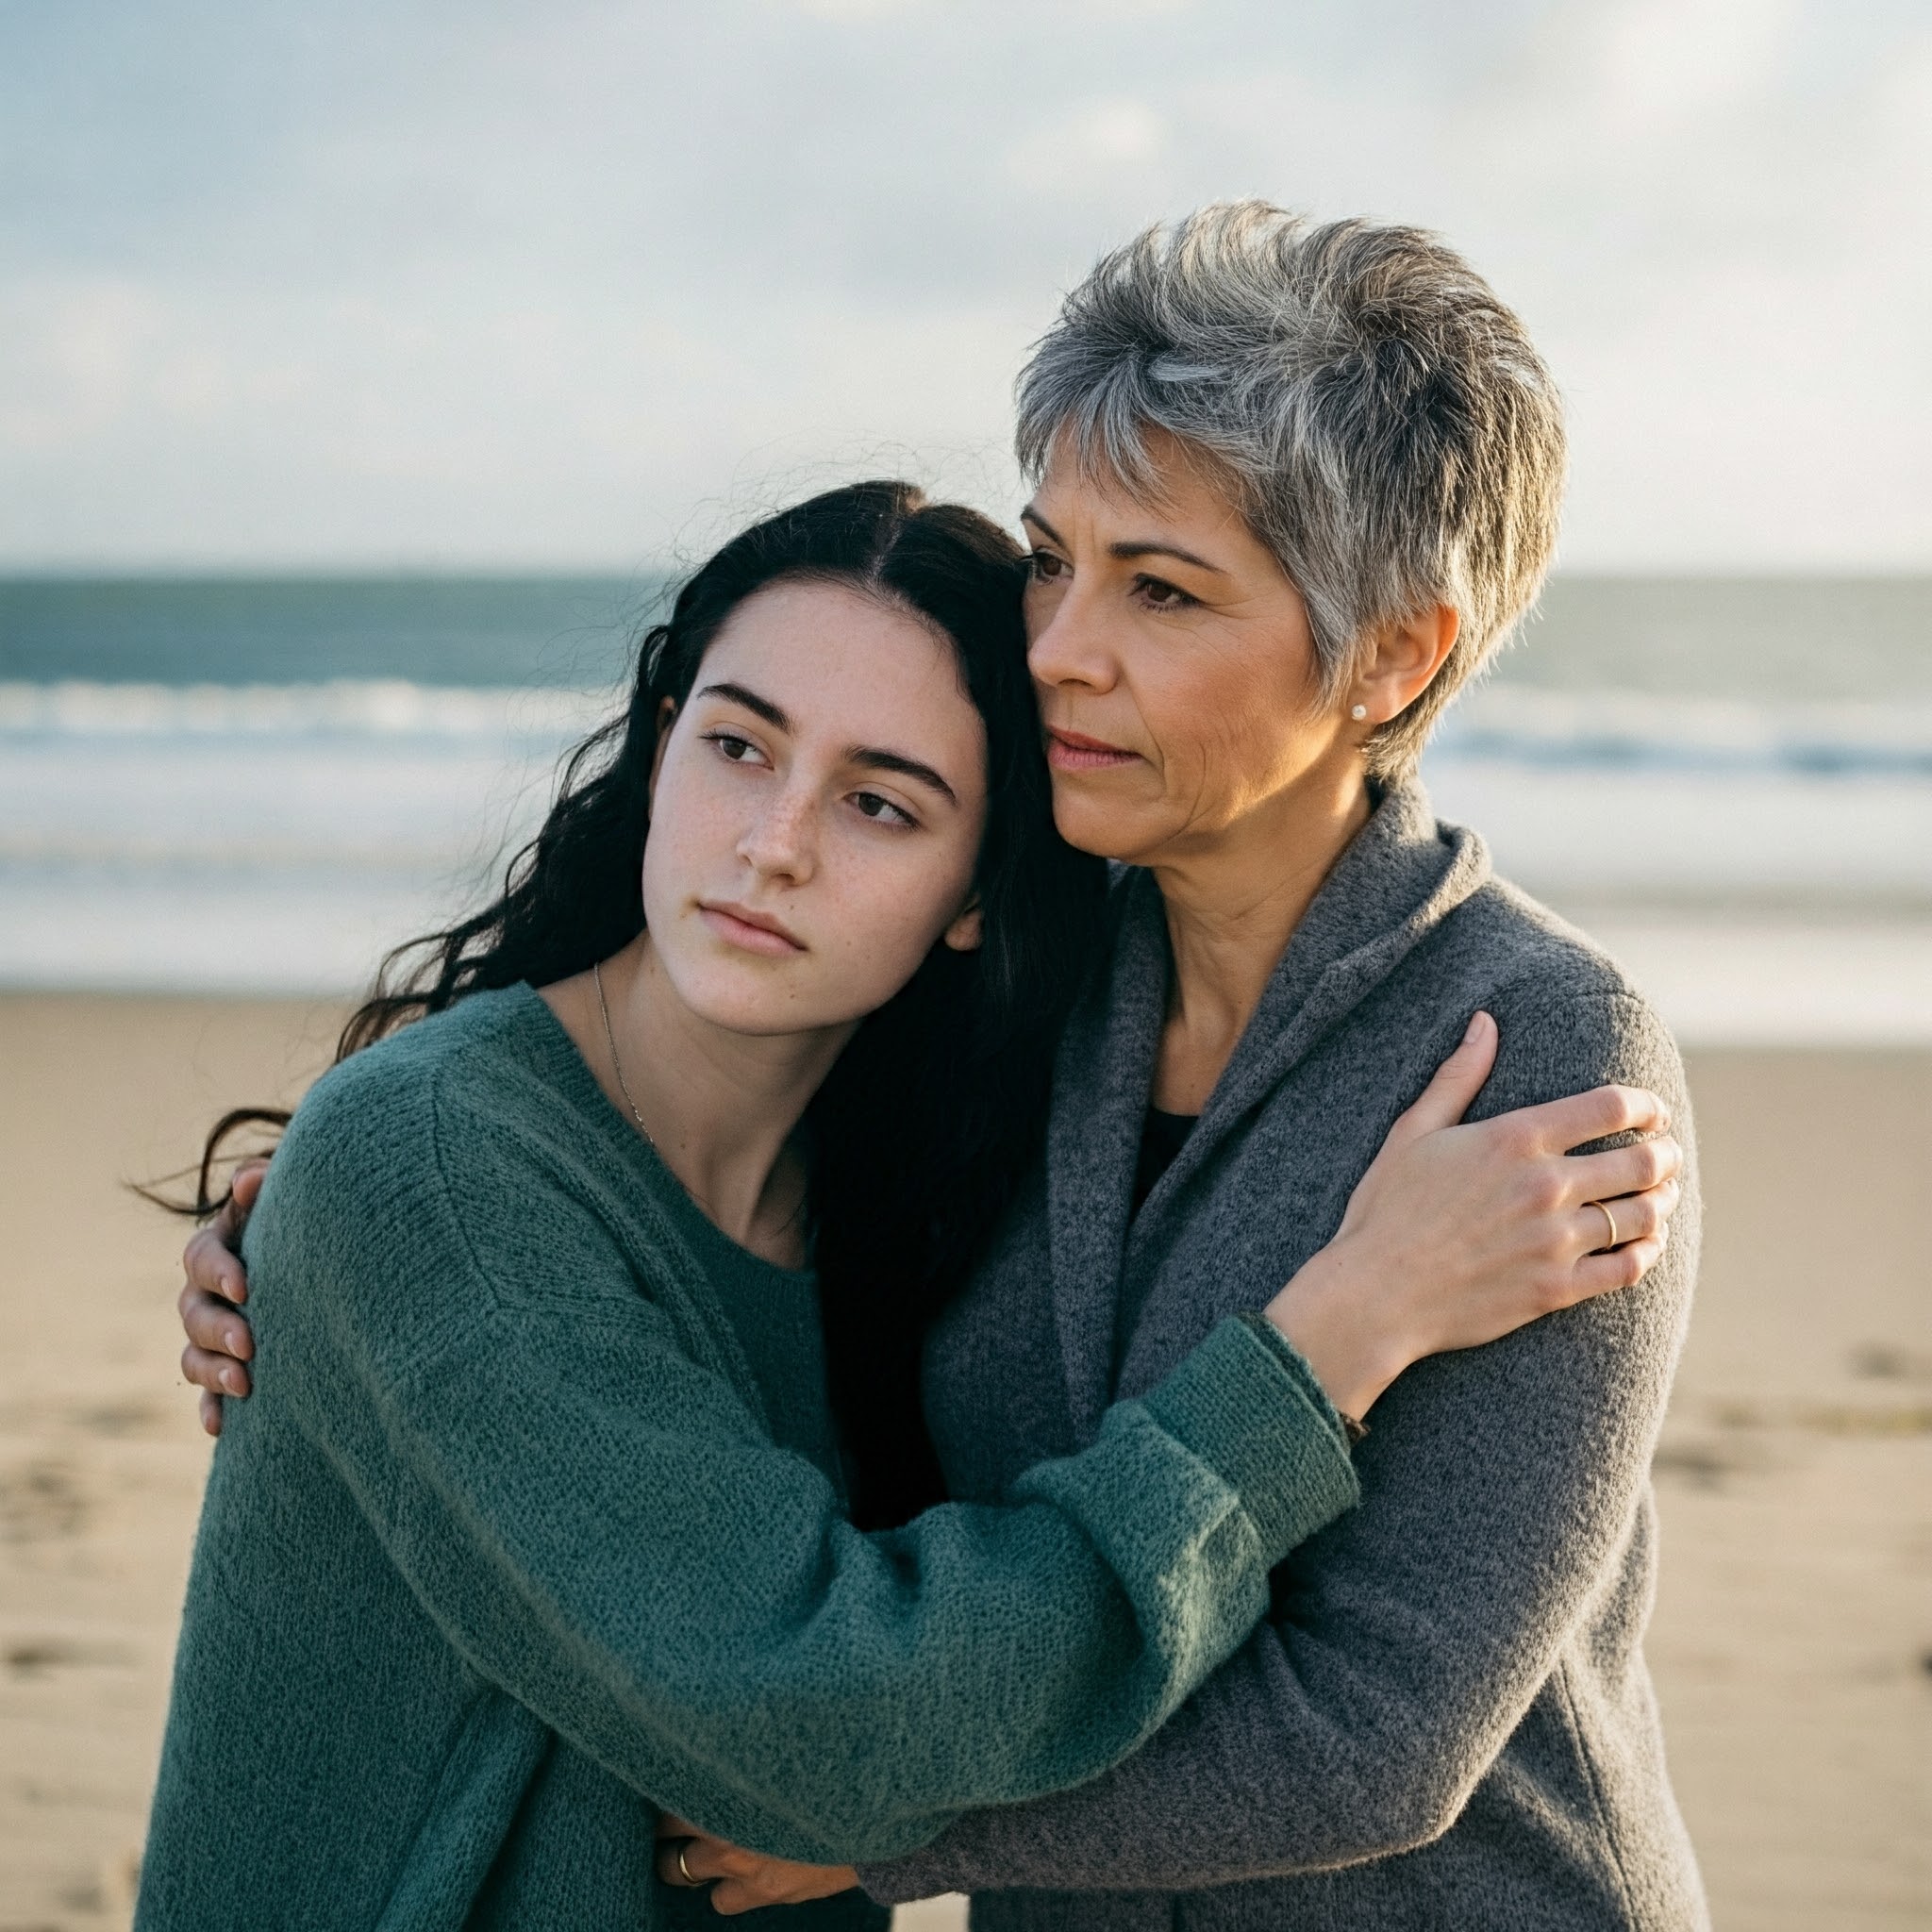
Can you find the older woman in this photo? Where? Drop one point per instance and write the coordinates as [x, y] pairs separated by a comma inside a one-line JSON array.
[[1294, 486]]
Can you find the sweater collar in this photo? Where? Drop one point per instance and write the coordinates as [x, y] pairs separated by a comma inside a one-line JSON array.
[[1401, 876]]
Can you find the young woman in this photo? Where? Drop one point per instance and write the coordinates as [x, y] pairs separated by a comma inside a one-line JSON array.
[[536, 1523]]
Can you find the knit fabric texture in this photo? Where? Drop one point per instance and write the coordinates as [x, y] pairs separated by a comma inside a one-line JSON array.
[[502, 1553], [1446, 1720]]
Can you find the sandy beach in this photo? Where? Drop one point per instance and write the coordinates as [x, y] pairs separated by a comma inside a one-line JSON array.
[[1792, 1646]]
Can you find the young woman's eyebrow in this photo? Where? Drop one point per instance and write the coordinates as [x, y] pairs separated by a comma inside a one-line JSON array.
[[874, 760], [1127, 552], [759, 708], [871, 757]]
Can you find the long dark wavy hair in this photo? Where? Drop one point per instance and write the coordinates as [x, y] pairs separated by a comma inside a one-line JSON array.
[[921, 1134]]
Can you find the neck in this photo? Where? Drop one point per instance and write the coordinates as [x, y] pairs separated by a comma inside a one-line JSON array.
[[720, 1107], [1233, 900]]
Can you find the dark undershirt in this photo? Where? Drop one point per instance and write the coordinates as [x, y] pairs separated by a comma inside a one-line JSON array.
[[1162, 1136]]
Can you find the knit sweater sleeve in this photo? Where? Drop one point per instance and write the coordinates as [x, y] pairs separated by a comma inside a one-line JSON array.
[[601, 1528], [1500, 1487]]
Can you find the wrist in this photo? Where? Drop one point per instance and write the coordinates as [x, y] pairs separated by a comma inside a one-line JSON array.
[[1326, 1316]]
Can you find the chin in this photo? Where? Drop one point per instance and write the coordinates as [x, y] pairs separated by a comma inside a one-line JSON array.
[[1105, 827], [753, 998], [741, 1001]]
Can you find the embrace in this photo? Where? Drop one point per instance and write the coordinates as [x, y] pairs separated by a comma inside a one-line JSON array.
[[1002, 1267]]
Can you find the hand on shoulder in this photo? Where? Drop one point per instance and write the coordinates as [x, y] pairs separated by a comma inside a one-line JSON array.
[[1461, 1232]]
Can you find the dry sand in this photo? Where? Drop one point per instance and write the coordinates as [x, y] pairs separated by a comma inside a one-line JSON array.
[[1793, 1639]]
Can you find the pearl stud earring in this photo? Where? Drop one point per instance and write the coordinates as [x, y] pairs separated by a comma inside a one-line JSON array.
[[1358, 713]]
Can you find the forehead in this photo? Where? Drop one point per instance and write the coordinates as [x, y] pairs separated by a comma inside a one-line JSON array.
[[1180, 485], [840, 661]]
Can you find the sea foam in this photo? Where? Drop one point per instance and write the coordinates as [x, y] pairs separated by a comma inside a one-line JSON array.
[[383, 709], [278, 838]]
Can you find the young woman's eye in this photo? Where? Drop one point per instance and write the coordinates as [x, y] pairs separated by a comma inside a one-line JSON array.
[[1046, 568], [741, 750], [882, 811], [1158, 594]]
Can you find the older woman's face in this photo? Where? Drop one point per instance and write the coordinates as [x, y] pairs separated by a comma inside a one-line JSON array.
[[1177, 669]]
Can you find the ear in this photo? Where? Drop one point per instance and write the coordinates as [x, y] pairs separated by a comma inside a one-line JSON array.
[[1404, 661], [966, 932], [667, 717]]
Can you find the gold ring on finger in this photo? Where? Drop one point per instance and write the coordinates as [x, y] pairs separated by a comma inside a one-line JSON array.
[[684, 1871], [1602, 1208]]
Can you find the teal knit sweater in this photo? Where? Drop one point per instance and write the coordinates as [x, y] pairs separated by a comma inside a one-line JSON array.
[[504, 1553]]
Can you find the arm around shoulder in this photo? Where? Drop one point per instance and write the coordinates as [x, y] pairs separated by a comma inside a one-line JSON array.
[[604, 1532]]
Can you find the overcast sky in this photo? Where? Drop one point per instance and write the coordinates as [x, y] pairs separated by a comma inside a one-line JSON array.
[[467, 282]]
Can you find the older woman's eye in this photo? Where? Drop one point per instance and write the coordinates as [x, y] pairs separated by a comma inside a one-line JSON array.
[[1158, 594], [1045, 566], [882, 811]]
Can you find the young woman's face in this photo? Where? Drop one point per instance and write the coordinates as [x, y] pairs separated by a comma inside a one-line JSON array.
[[1175, 666], [816, 812]]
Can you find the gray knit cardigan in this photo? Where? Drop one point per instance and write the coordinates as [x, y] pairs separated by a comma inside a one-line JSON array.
[[1447, 1722]]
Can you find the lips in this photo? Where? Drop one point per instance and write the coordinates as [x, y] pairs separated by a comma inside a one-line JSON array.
[[1074, 750], [748, 929]]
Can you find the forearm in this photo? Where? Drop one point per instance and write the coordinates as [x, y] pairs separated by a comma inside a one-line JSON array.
[[980, 1656], [1178, 1816], [560, 1465], [1356, 1726]]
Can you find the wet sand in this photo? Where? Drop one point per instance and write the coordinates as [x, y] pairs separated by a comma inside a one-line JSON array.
[[1792, 1645]]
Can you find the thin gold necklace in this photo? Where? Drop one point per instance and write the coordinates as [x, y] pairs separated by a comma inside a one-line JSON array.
[[616, 1064], [631, 1100]]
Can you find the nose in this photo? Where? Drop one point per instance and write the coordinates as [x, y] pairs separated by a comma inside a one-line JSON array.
[[1069, 645], [781, 842]]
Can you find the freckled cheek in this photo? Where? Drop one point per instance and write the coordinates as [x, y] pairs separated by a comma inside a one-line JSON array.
[[905, 890], [878, 924], [692, 845]]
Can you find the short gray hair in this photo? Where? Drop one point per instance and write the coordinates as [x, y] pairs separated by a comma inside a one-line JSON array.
[[1385, 427]]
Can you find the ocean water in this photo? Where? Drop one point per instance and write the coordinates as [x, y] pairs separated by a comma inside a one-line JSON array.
[[258, 785]]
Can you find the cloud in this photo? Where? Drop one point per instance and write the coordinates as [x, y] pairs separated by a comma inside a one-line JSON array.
[[486, 283]]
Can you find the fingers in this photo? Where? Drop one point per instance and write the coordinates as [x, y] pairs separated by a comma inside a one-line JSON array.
[[1631, 1170], [1636, 1217], [1559, 1125], [219, 1338], [749, 1881], [1619, 1268], [703, 1859], [214, 1325], [669, 1871], [220, 1374], [739, 1880], [211, 1264], [212, 1258], [1455, 1085]]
